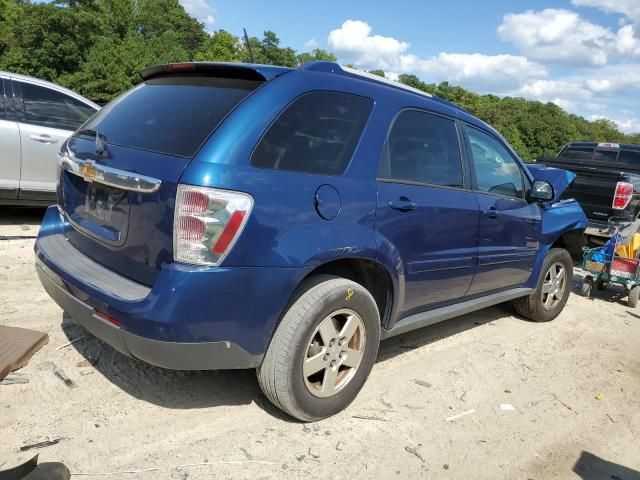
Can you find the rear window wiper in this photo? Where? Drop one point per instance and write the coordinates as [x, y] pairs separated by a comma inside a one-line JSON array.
[[91, 133], [101, 139]]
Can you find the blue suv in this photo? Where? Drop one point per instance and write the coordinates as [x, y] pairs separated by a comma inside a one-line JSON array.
[[222, 216]]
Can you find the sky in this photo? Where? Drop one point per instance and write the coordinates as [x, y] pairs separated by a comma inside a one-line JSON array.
[[583, 55]]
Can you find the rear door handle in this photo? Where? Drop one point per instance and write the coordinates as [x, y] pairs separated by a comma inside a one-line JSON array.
[[404, 205], [44, 138], [492, 212]]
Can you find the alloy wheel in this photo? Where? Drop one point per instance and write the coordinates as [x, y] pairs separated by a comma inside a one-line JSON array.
[[334, 353], [553, 286]]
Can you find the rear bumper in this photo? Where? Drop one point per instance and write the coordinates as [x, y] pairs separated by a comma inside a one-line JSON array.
[[172, 355], [598, 229], [192, 317]]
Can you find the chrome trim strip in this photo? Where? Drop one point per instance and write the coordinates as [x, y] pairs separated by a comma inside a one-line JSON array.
[[112, 177]]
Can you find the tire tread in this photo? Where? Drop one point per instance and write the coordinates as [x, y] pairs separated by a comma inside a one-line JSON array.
[[273, 375], [531, 306]]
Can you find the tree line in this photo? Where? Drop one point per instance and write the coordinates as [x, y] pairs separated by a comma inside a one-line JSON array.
[[97, 48]]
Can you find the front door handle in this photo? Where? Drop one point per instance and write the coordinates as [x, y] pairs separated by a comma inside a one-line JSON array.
[[404, 204], [44, 138], [492, 212]]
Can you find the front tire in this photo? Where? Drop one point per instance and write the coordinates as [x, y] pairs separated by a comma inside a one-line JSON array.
[[323, 350], [552, 290]]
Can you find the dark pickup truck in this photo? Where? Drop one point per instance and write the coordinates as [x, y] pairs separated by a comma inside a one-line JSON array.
[[607, 181]]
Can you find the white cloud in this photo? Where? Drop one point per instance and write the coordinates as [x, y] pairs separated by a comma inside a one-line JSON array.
[[558, 35], [565, 104], [480, 69], [628, 8], [589, 90], [311, 44], [563, 36], [616, 79], [627, 43], [200, 9], [548, 89], [354, 43], [625, 125]]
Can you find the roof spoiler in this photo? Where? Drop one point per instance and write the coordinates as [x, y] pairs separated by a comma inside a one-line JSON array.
[[242, 71]]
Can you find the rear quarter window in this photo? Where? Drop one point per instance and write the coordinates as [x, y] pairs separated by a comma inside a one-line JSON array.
[[317, 133], [630, 157], [171, 115]]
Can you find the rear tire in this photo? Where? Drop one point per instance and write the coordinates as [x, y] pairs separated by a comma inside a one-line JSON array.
[[601, 284], [634, 295], [552, 290], [315, 334]]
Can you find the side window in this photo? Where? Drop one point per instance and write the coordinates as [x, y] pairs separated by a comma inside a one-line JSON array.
[[48, 108], [422, 148], [496, 170], [317, 133]]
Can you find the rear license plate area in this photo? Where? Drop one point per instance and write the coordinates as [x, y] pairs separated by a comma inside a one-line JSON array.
[[97, 209]]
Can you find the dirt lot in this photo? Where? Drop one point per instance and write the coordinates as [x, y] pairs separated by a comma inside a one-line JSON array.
[[431, 408]]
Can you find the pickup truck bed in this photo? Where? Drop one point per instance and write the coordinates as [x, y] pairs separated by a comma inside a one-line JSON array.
[[599, 167]]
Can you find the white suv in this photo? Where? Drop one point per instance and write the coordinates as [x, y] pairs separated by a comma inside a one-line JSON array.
[[36, 117]]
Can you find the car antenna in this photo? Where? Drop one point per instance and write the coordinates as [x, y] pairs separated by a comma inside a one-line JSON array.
[[246, 39]]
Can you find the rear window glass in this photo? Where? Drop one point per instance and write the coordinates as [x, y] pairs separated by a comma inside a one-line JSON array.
[[317, 133], [630, 157], [605, 155], [576, 154], [170, 115]]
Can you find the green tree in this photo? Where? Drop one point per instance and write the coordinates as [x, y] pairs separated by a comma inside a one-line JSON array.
[[155, 17], [45, 39], [273, 54], [123, 60], [221, 47], [97, 47], [379, 73], [317, 55]]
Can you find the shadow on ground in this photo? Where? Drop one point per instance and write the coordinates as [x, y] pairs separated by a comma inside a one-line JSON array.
[[199, 389], [21, 215], [613, 293], [592, 467]]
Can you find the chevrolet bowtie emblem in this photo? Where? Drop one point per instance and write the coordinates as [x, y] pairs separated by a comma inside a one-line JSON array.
[[88, 172]]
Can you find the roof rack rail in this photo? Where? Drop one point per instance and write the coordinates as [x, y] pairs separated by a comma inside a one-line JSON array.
[[332, 67]]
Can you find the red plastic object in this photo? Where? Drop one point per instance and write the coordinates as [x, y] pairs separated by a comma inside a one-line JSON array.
[[627, 265]]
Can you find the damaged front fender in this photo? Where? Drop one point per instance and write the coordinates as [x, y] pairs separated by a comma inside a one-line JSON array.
[[559, 179], [563, 223], [559, 218]]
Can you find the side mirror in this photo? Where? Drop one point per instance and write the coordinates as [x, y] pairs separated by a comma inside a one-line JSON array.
[[541, 191]]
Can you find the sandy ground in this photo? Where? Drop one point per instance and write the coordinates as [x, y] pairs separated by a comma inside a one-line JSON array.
[[574, 385]]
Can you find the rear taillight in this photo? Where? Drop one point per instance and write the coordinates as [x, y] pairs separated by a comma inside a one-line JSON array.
[[108, 318], [622, 197], [207, 223]]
